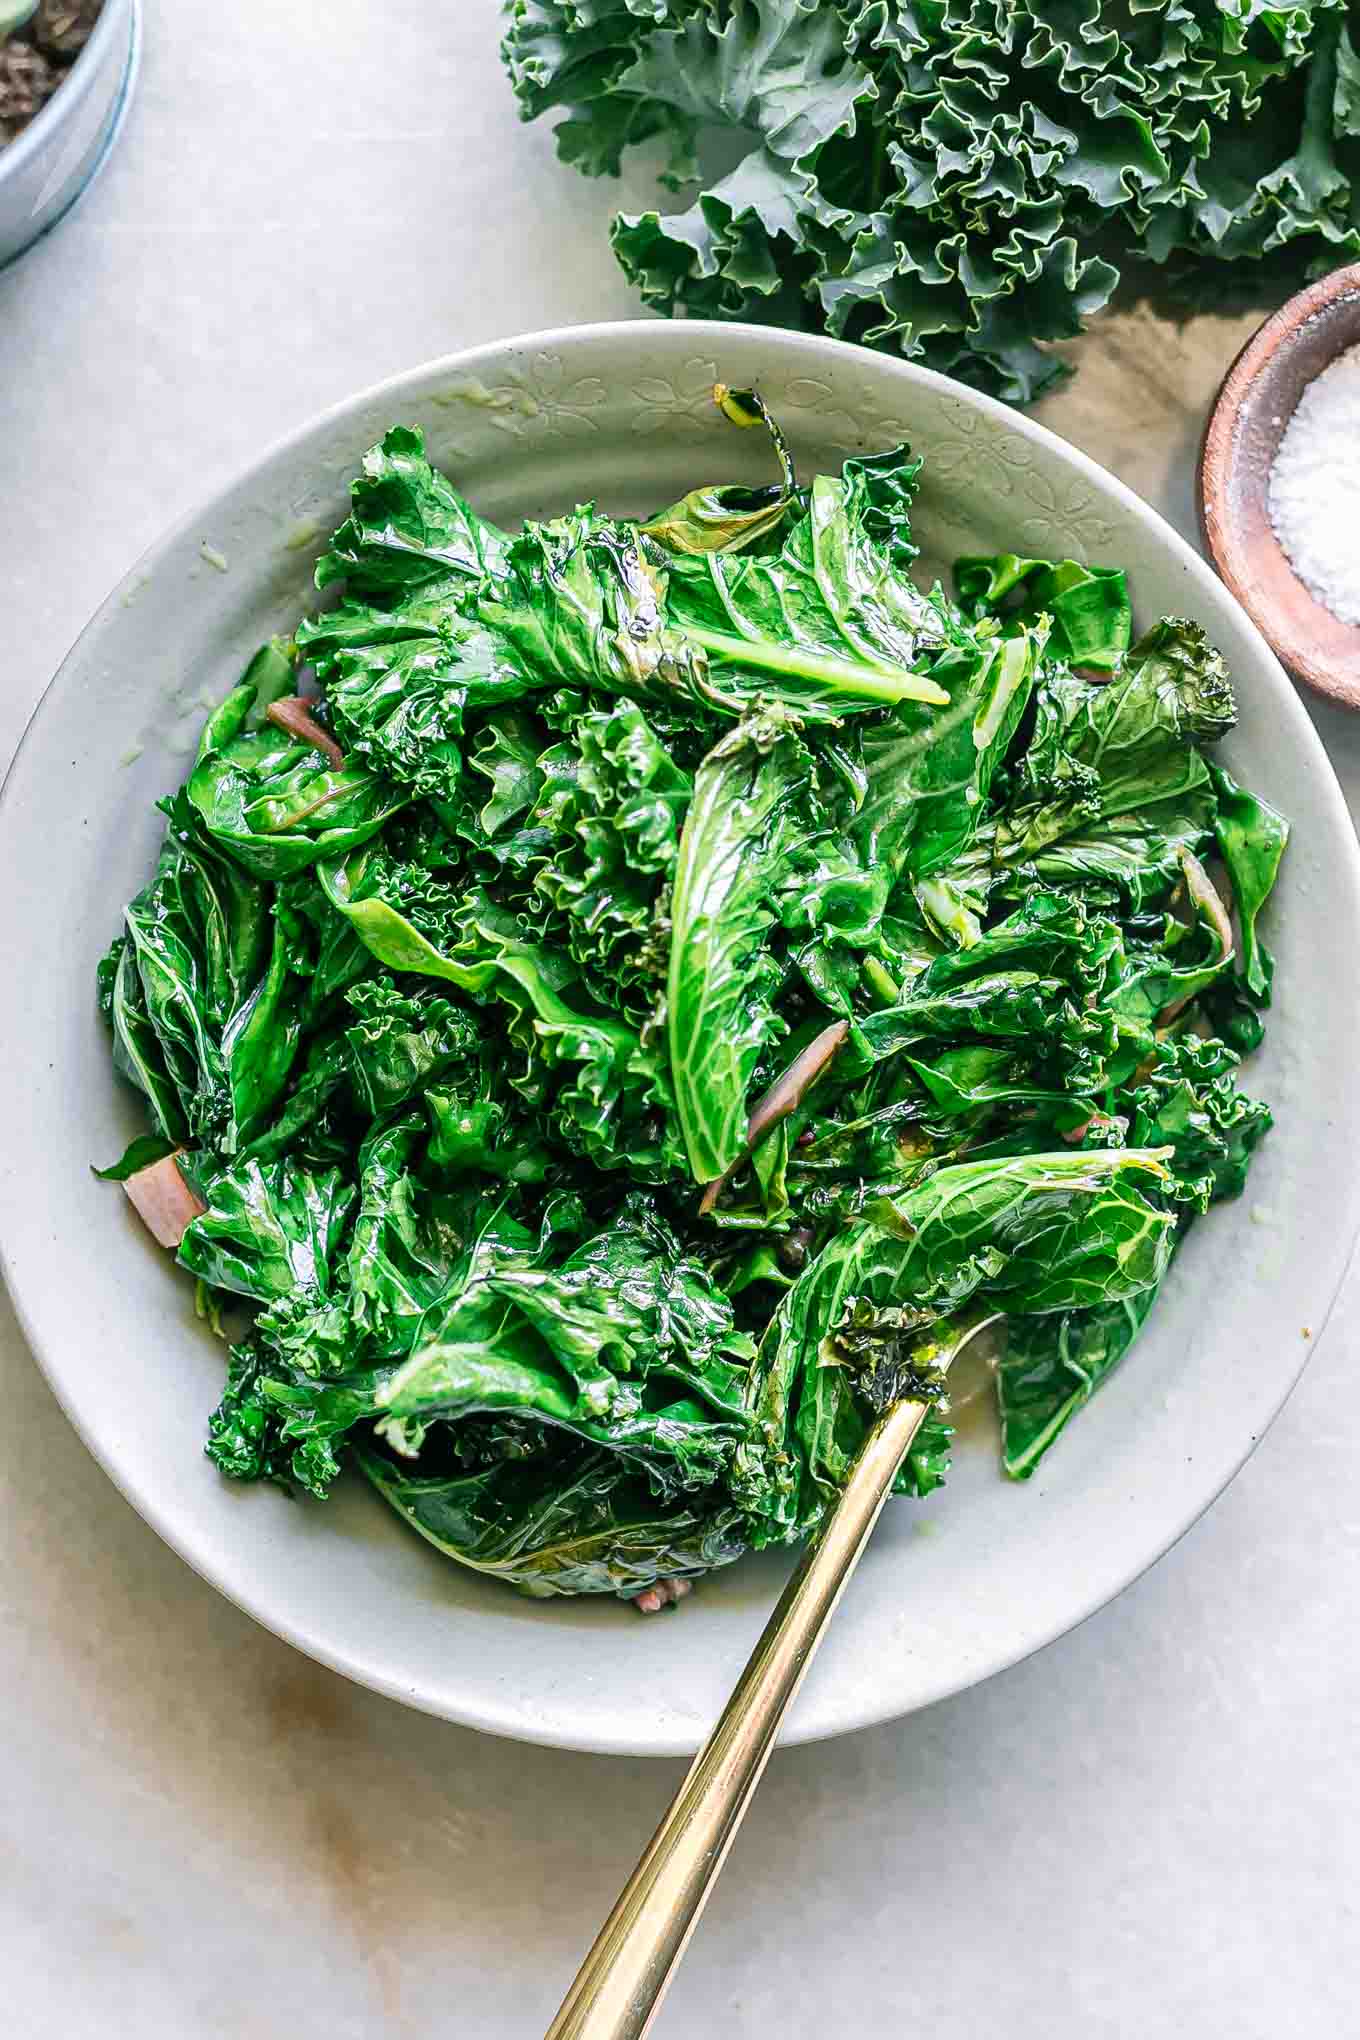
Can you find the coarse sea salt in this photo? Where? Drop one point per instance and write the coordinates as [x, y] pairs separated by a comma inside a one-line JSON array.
[[1314, 494]]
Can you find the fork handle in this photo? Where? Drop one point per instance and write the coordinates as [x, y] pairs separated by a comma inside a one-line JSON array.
[[620, 1985]]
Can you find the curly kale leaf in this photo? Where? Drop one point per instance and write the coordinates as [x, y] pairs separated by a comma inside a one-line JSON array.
[[137, 1052], [1188, 1102], [399, 1041], [1019, 1014], [1089, 606], [624, 1343], [275, 804], [824, 626], [887, 1352], [560, 1524], [219, 983], [1188, 1105], [479, 1127], [1251, 839], [957, 183], [1053, 1365], [1111, 790], [206, 1010], [244, 1432], [611, 808], [830, 620], [711, 852], [585, 606], [605, 1088], [408, 528], [1039, 1232], [928, 771], [748, 811], [1019, 1007], [270, 1231], [400, 702]]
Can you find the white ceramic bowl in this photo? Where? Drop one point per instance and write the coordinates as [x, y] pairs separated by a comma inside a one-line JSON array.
[[623, 412]]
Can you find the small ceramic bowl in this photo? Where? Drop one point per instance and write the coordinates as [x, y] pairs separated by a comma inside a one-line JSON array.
[[56, 158], [1246, 425]]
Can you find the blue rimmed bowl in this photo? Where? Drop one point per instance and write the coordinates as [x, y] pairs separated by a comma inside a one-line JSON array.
[[47, 168]]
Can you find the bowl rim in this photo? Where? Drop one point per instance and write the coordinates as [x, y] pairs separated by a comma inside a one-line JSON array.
[[1220, 457], [684, 337]]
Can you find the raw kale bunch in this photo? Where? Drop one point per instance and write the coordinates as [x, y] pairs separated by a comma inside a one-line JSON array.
[[959, 181], [624, 998]]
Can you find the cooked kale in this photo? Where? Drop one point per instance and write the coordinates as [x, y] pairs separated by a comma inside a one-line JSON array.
[[629, 998]]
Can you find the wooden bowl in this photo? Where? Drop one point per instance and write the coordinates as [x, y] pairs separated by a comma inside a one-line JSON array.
[[1241, 440]]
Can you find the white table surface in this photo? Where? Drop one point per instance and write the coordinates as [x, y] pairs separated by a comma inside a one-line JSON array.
[[1150, 1829]]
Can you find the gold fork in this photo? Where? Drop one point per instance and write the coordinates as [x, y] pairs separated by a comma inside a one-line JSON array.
[[620, 1985]]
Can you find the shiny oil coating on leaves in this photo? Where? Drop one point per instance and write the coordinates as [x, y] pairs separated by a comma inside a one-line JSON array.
[[744, 817], [631, 999]]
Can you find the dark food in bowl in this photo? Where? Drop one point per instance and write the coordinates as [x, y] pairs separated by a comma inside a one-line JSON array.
[[36, 57]]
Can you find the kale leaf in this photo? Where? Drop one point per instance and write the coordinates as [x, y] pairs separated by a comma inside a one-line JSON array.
[[956, 182]]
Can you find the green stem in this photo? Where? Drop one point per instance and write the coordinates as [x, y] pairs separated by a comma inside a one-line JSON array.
[[887, 684], [884, 988]]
